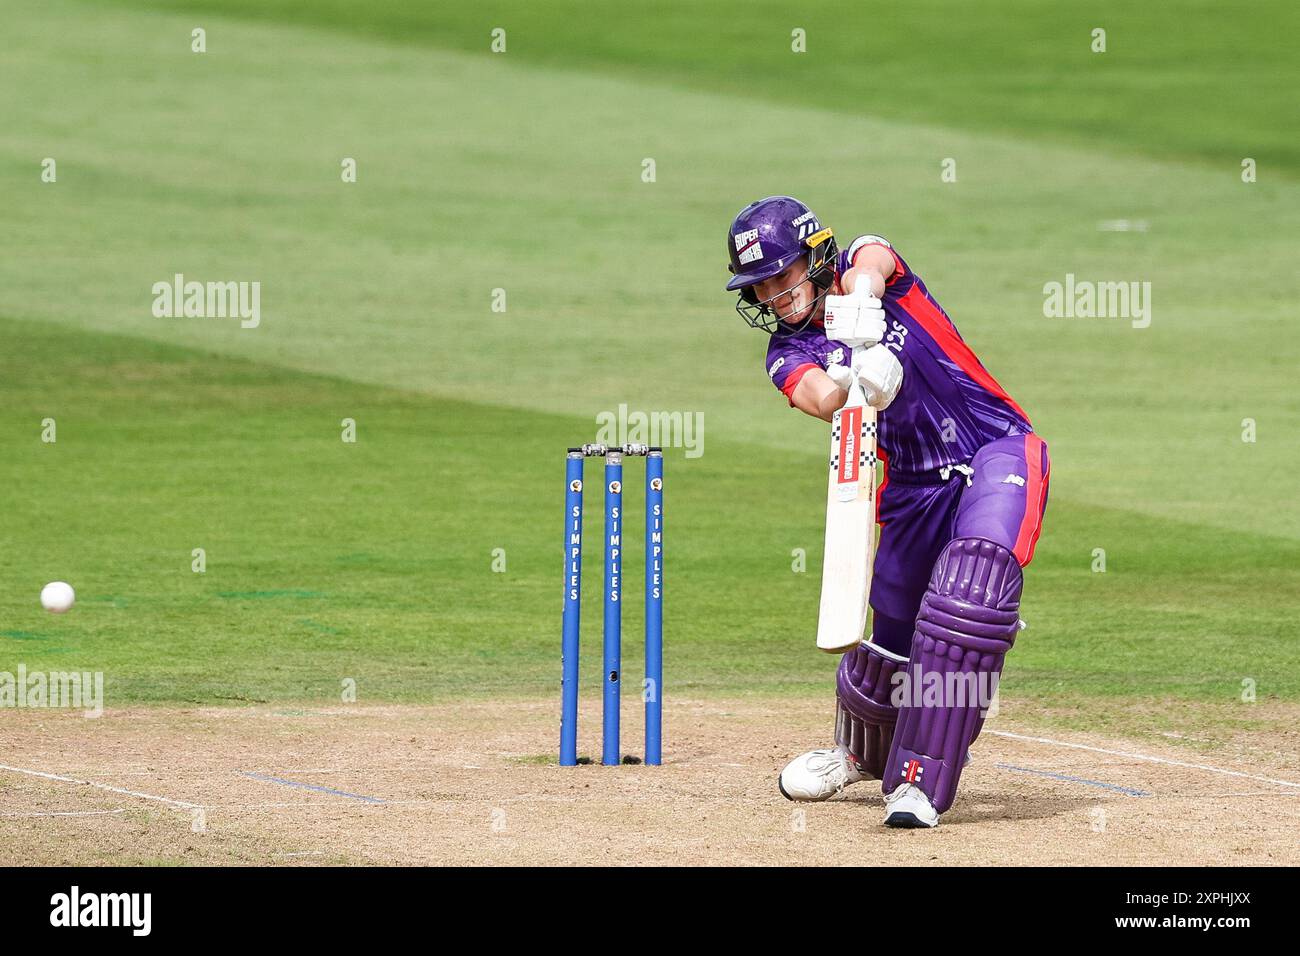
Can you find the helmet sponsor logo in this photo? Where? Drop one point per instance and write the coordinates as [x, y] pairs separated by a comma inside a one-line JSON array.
[[804, 218], [748, 248]]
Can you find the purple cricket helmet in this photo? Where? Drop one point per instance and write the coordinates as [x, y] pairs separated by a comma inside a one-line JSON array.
[[764, 240]]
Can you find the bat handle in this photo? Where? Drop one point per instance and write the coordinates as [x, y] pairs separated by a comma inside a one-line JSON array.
[[856, 394]]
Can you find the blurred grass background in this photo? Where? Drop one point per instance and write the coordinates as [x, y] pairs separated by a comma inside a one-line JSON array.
[[522, 171]]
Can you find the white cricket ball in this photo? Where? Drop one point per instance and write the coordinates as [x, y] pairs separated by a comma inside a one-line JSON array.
[[57, 597]]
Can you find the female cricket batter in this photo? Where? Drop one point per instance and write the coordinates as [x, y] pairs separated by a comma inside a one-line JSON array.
[[959, 509]]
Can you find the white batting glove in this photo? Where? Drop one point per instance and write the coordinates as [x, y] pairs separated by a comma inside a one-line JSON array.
[[841, 375], [881, 375], [857, 319]]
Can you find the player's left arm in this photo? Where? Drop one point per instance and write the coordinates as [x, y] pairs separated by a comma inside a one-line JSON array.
[[874, 264], [857, 319]]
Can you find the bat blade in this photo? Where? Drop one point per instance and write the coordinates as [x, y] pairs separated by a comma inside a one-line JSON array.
[[850, 527]]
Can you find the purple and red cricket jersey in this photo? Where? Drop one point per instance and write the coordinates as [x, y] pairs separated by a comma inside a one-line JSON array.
[[960, 456]]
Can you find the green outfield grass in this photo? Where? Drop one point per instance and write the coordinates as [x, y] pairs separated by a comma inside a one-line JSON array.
[[372, 561], [1179, 77]]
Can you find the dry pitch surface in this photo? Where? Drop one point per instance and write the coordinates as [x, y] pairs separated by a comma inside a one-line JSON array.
[[477, 784]]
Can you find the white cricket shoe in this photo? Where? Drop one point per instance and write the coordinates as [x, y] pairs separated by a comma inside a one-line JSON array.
[[819, 774], [909, 807]]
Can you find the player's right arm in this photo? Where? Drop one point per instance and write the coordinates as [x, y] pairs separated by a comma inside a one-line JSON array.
[[818, 395]]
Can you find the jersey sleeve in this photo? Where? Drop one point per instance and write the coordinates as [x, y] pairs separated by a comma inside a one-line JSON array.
[[787, 363]]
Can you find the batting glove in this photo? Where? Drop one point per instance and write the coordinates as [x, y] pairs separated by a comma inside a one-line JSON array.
[[841, 375], [881, 375], [857, 319]]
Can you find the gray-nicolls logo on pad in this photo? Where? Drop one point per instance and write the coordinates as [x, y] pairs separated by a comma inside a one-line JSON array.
[[75, 908]]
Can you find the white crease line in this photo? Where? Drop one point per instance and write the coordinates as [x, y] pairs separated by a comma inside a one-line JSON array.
[[224, 771], [104, 786], [65, 813], [1229, 793], [1135, 756], [317, 805]]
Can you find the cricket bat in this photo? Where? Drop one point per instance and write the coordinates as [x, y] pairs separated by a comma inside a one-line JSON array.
[[850, 525]]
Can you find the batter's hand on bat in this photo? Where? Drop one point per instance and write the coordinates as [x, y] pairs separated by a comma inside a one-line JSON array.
[[841, 375], [857, 319], [881, 375]]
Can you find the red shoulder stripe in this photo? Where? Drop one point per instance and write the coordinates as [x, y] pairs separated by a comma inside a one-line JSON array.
[[931, 318]]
